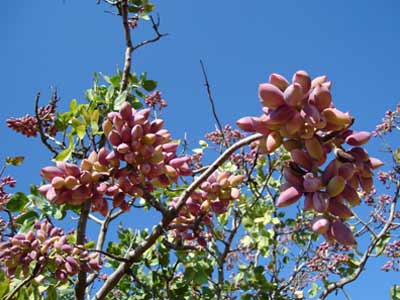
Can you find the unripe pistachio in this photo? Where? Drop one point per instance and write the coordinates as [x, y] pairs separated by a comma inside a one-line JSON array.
[[302, 159], [72, 170], [136, 132], [301, 77], [314, 148], [236, 180], [318, 81], [281, 115], [346, 170], [311, 114], [51, 194], [148, 139], [294, 94], [342, 233], [126, 135], [114, 138], [351, 195], [156, 125], [70, 182], [261, 124], [336, 117], [311, 183], [107, 127], [50, 172], [320, 201], [292, 177], [270, 96], [289, 196], [375, 163], [358, 138], [330, 171], [320, 225], [321, 97], [170, 147], [57, 182], [126, 111], [274, 141], [294, 125], [123, 148], [339, 209], [279, 81], [336, 186], [86, 165]]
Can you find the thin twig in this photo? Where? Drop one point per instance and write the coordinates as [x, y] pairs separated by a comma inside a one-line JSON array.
[[210, 97], [155, 26]]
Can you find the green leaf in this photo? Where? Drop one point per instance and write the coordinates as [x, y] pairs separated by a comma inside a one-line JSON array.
[[380, 246], [120, 99], [198, 275], [30, 216], [51, 293], [17, 202], [73, 106], [313, 291], [15, 161], [94, 121], [149, 85], [110, 94], [90, 245], [81, 131], [66, 154], [203, 144], [395, 292], [4, 285]]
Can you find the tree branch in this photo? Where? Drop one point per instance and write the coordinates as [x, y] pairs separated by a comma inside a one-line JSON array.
[[137, 253], [129, 47], [155, 26], [80, 240], [23, 282], [344, 281]]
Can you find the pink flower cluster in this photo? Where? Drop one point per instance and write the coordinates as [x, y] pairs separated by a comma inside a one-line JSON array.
[[5, 196], [155, 101], [28, 125]]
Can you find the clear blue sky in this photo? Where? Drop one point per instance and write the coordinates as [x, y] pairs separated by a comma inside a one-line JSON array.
[[61, 43]]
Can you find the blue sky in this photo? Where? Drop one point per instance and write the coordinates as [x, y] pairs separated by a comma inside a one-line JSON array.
[[61, 43]]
